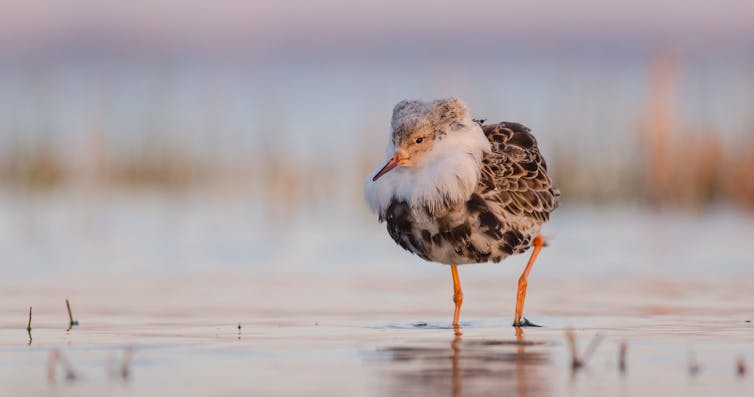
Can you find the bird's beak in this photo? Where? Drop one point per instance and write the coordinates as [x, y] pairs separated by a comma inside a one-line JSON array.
[[392, 163]]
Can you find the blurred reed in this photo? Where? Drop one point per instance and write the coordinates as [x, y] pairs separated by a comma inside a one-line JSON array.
[[678, 165], [671, 162], [688, 167]]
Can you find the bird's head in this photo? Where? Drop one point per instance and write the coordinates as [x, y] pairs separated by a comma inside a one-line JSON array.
[[434, 157], [418, 128]]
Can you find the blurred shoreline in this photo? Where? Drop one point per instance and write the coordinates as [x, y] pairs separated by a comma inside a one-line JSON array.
[[664, 130]]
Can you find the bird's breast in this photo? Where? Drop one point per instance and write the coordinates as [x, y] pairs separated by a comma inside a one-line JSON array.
[[462, 234]]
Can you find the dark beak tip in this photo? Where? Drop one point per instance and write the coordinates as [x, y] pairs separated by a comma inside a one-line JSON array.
[[392, 163]]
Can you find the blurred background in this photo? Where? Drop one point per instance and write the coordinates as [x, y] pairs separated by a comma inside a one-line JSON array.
[[180, 138]]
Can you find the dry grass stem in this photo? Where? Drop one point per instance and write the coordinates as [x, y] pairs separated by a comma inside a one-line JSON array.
[[622, 356], [741, 367], [578, 361]]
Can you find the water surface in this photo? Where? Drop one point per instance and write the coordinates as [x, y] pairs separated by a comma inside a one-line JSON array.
[[329, 305]]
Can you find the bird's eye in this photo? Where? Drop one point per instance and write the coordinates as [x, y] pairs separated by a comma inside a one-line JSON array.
[[419, 140]]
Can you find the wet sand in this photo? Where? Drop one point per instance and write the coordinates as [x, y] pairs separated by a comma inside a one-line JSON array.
[[375, 337]]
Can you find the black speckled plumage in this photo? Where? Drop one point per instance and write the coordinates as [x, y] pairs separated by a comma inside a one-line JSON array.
[[504, 214]]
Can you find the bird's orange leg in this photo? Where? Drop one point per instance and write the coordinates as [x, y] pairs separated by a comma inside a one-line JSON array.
[[521, 295], [457, 296]]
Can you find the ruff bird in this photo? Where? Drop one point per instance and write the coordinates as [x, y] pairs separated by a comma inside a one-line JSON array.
[[456, 191]]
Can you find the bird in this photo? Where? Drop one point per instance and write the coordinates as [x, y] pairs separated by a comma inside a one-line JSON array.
[[454, 190]]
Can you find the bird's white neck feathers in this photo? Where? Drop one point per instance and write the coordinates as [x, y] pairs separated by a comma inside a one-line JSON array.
[[449, 174]]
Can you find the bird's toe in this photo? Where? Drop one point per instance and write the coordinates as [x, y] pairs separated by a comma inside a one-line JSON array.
[[524, 322]]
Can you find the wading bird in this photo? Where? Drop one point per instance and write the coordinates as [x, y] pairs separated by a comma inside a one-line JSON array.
[[456, 191]]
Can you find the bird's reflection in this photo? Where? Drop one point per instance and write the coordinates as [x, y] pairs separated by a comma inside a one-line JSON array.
[[469, 367], [455, 370]]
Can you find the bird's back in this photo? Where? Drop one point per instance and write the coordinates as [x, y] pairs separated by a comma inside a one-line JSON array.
[[514, 197], [514, 173]]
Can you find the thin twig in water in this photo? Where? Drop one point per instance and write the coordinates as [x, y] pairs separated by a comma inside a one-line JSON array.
[[741, 367], [571, 339], [125, 369], [693, 364], [70, 374], [28, 326], [57, 357], [591, 348], [576, 361], [70, 316], [622, 356]]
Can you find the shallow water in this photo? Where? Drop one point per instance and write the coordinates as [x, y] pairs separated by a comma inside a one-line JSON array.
[[185, 339], [346, 312]]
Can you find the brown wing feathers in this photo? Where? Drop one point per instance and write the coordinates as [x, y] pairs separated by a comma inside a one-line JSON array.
[[516, 173]]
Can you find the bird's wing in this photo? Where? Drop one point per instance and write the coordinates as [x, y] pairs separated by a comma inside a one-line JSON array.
[[515, 173]]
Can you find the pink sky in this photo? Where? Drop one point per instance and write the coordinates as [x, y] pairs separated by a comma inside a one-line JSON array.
[[266, 24]]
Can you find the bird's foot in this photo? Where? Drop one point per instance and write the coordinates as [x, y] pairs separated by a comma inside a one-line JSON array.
[[524, 322]]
